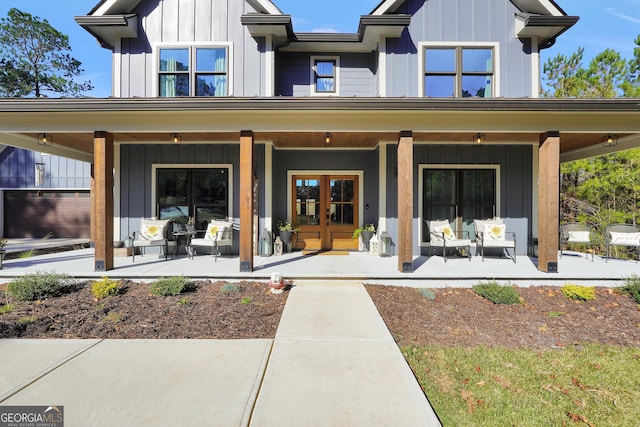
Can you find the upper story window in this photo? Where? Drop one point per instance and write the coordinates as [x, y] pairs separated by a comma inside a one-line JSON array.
[[458, 71], [193, 71], [325, 75]]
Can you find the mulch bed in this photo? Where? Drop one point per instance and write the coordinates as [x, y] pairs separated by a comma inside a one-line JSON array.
[[547, 319], [204, 312]]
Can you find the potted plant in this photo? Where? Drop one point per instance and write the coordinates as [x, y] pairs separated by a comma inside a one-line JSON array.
[[3, 243], [366, 232], [286, 230]]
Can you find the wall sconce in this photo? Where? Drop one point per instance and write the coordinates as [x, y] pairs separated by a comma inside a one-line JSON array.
[[44, 139], [328, 138], [176, 138], [478, 139], [609, 140]]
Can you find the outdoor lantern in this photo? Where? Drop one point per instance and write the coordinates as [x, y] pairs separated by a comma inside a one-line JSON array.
[[265, 243], [533, 248], [373, 245], [128, 242], [277, 246], [44, 139], [385, 244]]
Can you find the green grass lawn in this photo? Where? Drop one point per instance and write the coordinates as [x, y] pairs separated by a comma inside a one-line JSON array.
[[590, 385]]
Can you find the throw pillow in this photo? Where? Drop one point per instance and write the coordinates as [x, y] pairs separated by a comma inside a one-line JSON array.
[[578, 236], [494, 231], [625, 239], [446, 231], [212, 232], [153, 230]]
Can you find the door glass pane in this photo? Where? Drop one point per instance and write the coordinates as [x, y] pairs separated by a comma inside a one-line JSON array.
[[342, 201], [307, 202]]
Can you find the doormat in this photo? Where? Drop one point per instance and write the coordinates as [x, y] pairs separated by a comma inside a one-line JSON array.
[[325, 252]]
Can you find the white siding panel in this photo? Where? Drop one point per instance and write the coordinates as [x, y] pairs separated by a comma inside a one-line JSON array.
[[186, 22], [203, 12]]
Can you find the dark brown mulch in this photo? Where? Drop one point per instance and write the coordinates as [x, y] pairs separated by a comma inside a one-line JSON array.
[[204, 312], [547, 319]]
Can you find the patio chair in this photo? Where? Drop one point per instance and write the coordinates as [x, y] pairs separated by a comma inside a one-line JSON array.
[[153, 233], [443, 236], [575, 232], [623, 235], [218, 234], [492, 234]]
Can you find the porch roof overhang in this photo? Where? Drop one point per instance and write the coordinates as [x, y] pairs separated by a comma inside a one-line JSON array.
[[109, 29], [300, 123], [543, 28]]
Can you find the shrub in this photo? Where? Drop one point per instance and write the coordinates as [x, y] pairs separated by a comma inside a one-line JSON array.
[[579, 293], [40, 285], [632, 288], [169, 286], [427, 293], [497, 294], [105, 287], [231, 288]]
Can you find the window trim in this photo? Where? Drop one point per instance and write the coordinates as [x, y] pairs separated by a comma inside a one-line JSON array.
[[156, 166], [469, 45], [312, 75], [192, 63], [421, 169]]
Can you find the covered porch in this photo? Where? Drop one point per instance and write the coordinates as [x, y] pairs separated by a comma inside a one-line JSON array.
[[555, 129], [428, 271]]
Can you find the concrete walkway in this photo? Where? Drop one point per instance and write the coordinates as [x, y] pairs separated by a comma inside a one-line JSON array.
[[332, 362]]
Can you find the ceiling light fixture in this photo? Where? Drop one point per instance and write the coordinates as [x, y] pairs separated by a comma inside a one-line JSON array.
[[176, 138], [45, 139], [328, 138], [478, 139], [609, 140]]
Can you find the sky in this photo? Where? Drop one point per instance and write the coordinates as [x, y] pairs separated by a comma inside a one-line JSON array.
[[603, 24]]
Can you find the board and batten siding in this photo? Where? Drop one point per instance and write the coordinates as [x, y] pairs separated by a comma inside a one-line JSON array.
[[515, 178], [17, 170], [356, 78], [463, 21], [186, 22]]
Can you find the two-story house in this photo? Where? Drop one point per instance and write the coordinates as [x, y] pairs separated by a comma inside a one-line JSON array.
[[430, 111]]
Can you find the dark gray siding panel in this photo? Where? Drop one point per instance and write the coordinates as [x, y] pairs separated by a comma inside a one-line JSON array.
[[515, 178], [136, 171], [459, 21], [293, 74], [366, 161]]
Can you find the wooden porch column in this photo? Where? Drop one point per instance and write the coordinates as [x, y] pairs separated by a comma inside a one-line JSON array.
[[549, 202], [246, 201], [405, 202], [103, 200]]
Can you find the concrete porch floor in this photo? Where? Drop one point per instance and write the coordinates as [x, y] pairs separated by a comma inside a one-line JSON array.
[[428, 271]]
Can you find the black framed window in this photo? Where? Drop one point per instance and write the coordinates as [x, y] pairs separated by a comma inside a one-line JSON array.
[[459, 196], [198, 193], [460, 72], [325, 75], [193, 71]]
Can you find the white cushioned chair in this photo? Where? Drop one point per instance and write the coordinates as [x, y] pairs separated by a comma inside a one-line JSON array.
[[218, 234], [578, 233], [623, 235], [153, 233], [492, 234], [443, 236]]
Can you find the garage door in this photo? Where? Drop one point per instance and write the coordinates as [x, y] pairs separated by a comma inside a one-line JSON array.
[[36, 214]]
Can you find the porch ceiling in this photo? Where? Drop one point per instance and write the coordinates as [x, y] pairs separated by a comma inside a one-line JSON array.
[[296, 123]]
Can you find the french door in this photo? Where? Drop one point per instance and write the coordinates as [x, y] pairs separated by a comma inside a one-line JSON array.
[[325, 210]]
